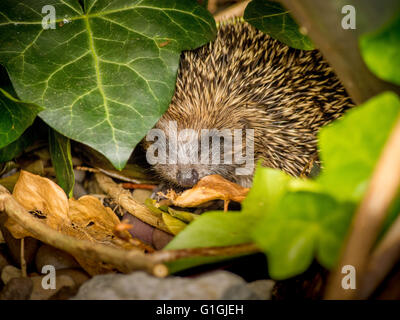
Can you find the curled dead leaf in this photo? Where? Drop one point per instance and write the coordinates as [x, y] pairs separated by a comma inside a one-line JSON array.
[[41, 197], [83, 219], [213, 187]]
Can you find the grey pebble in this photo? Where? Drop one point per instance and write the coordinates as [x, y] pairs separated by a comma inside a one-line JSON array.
[[48, 255], [17, 289], [262, 288], [140, 285], [79, 175]]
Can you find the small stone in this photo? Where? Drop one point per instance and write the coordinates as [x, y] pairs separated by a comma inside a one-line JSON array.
[[3, 259], [17, 289], [262, 288], [64, 293], [140, 229], [9, 272], [39, 293], [14, 245], [79, 276], [79, 191], [48, 255], [92, 186], [79, 175], [76, 161], [140, 285], [161, 239]]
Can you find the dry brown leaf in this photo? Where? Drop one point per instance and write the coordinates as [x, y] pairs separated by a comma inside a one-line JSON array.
[[213, 187], [44, 199], [84, 219]]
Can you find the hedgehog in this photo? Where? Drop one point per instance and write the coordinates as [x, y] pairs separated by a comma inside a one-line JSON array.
[[276, 98]]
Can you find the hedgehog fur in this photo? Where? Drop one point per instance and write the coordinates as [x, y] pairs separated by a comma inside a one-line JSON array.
[[245, 79]]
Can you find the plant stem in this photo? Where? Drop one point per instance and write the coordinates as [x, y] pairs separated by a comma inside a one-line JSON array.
[[382, 260], [171, 255], [369, 217]]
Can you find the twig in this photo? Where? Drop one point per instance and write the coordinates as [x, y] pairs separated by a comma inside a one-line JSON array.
[[92, 170], [172, 255], [382, 260], [125, 200], [369, 217], [236, 10], [129, 185], [226, 205], [110, 174], [22, 258]]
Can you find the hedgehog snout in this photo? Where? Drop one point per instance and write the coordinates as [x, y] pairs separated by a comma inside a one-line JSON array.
[[187, 177]]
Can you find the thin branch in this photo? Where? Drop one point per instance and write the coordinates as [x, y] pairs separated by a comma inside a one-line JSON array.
[[125, 200], [212, 6], [172, 255], [369, 217], [129, 185], [22, 258], [382, 260]]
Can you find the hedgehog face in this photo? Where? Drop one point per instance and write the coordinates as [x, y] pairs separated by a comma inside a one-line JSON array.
[[187, 155]]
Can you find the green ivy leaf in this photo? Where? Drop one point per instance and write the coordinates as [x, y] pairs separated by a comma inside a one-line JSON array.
[[351, 146], [60, 152], [16, 117], [104, 75], [212, 229], [381, 51], [231, 228], [275, 20], [14, 149], [304, 224], [269, 185]]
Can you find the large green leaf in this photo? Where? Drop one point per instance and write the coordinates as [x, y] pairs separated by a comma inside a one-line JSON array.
[[15, 148], [216, 229], [106, 74], [212, 229], [269, 185], [303, 225], [381, 51], [273, 19], [60, 152], [15, 117], [351, 146]]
